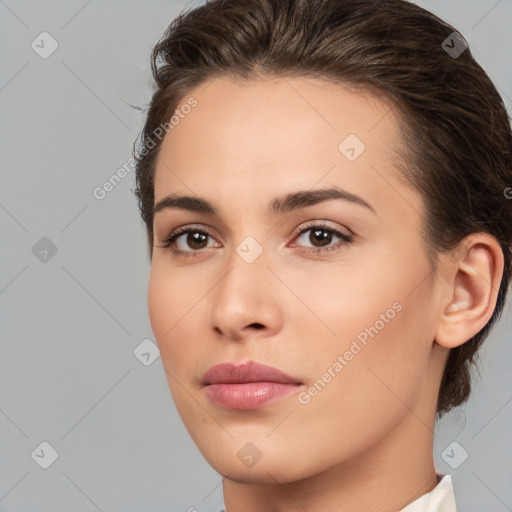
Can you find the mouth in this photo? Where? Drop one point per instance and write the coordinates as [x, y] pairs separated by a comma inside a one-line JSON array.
[[248, 385]]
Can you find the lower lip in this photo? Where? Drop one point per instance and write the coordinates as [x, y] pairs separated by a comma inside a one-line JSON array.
[[248, 395]]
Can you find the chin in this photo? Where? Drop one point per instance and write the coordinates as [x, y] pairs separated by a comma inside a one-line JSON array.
[[267, 470]]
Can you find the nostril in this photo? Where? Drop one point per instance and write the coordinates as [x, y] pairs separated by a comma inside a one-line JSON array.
[[258, 326]]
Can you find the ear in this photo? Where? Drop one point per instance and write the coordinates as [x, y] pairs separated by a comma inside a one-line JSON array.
[[474, 279]]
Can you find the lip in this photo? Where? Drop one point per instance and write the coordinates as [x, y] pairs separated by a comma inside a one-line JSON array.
[[250, 371], [246, 386]]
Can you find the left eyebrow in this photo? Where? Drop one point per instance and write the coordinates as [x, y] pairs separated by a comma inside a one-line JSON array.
[[278, 205], [305, 198]]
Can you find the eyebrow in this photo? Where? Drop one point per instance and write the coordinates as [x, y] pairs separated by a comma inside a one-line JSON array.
[[278, 205]]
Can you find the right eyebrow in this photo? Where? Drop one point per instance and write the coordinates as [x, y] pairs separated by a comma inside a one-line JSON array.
[[194, 204]]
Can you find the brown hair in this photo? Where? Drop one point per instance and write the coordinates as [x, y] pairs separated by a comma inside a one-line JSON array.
[[456, 134]]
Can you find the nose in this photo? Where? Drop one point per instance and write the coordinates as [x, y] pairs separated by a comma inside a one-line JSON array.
[[246, 302]]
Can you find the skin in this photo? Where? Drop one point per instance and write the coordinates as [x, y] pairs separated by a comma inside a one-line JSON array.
[[364, 442]]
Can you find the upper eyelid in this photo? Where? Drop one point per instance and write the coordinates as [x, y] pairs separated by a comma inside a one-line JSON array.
[[323, 224]]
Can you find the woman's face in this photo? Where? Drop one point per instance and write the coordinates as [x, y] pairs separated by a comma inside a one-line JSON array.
[[335, 291]]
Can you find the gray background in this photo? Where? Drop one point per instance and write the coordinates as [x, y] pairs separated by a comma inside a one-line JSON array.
[[70, 323]]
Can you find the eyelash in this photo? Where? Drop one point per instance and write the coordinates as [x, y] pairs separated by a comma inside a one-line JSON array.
[[322, 226]]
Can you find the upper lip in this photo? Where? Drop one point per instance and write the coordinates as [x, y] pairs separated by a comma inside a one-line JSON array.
[[251, 371]]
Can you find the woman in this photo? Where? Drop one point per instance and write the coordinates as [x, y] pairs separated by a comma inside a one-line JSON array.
[[324, 187]]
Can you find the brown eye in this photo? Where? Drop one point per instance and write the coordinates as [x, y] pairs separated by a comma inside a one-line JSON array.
[[320, 238], [196, 240], [187, 241]]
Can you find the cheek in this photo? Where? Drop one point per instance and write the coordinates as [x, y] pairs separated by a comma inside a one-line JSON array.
[[170, 297], [160, 303], [164, 313], [375, 385], [175, 318], [166, 306], [373, 332]]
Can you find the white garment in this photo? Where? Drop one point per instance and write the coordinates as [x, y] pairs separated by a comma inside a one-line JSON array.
[[440, 499]]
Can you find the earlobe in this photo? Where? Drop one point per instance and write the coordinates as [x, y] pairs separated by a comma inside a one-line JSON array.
[[474, 281]]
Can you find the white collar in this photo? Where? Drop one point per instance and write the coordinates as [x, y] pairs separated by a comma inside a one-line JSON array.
[[440, 499]]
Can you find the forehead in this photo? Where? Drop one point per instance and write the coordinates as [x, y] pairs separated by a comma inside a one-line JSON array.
[[268, 136], [264, 107]]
